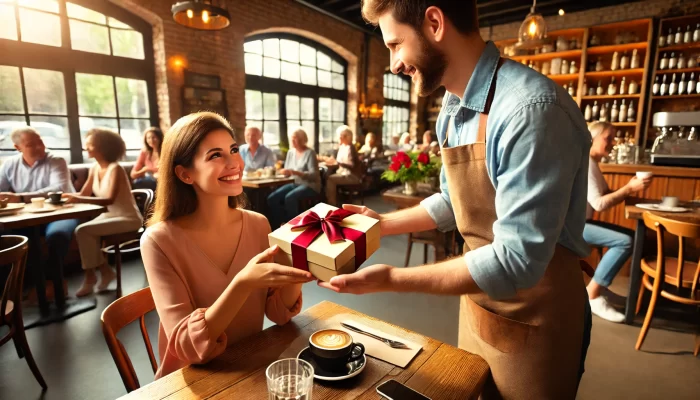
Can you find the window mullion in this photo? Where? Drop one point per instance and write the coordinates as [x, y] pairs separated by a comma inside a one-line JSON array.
[[65, 26], [24, 95]]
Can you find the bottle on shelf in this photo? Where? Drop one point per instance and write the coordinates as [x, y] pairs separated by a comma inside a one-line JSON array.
[[615, 63], [604, 113], [631, 112], [662, 40], [598, 65], [622, 116], [681, 84], [687, 36], [536, 67], [681, 61], [573, 68], [594, 111], [697, 87], [672, 62], [634, 63], [564, 67], [623, 86], [572, 89], [679, 36], [669, 37], [612, 87], [599, 89], [692, 62], [696, 33], [614, 112], [555, 66], [655, 88], [662, 89], [673, 86], [691, 83], [633, 87], [545, 68], [595, 41], [585, 87], [663, 63], [624, 61], [587, 113]]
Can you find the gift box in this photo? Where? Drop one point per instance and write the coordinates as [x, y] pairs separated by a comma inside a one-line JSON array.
[[326, 241]]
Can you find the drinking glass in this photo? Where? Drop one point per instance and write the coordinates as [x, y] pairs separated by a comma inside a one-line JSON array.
[[290, 379]]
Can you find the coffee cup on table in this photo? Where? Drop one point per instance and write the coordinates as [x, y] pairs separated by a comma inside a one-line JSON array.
[[38, 202], [3, 202], [333, 349], [669, 201], [55, 197]]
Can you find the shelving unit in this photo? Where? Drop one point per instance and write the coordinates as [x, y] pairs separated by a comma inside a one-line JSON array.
[[675, 102]]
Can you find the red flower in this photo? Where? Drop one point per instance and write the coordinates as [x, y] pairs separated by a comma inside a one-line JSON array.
[[402, 157], [395, 166], [423, 158], [407, 163]]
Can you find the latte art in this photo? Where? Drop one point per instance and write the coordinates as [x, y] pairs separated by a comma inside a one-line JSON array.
[[331, 339]]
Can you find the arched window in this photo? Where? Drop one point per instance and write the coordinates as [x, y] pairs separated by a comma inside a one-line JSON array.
[[292, 81], [67, 66], [397, 89]]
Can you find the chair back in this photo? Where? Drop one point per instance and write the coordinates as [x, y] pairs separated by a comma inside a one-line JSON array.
[[144, 200], [13, 252], [681, 227], [116, 316]]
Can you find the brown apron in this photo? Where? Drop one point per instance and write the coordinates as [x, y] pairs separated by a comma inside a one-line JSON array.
[[532, 341]]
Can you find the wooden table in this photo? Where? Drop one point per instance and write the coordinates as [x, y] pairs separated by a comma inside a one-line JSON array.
[[635, 213], [266, 182], [439, 371], [64, 309]]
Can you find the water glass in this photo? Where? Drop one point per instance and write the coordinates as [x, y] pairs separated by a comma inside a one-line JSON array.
[[290, 379]]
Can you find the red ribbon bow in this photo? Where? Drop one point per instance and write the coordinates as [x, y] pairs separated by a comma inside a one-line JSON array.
[[330, 226]]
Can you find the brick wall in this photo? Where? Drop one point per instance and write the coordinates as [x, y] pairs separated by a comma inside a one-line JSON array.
[[221, 53]]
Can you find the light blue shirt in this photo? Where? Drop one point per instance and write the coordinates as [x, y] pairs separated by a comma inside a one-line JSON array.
[[48, 175], [537, 146], [264, 157]]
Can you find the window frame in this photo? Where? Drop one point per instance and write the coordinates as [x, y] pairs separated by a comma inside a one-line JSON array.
[[285, 88], [68, 61], [386, 136]]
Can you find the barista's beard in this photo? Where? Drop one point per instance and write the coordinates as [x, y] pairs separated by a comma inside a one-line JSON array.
[[430, 68]]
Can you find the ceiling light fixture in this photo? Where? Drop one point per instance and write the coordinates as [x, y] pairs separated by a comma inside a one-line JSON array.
[[533, 30], [201, 14], [561, 11]]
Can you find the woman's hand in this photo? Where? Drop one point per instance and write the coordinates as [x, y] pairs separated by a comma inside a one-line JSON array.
[[71, 198], [637, 185], [261, 272]]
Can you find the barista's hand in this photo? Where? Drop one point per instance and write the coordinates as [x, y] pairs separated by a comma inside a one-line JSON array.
[[375, 278]]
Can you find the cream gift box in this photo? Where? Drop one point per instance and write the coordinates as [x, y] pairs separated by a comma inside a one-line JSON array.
[[326, 259]]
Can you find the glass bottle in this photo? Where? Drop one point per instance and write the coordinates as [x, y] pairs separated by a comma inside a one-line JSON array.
[[631, 112], [572, 89], [633, 87], [564, 67], [623, 86], [599, 89], [573, 68], [612, 87], [672, 61], [663, 63], [624, 61], [594, 111], [687, 36], [545, 68], [587, 112], [692, 62], [662, 40], [681, 84], [679, 36], [634, 63], [697, 86], [595, 41], [662, 89], [585, 87], [604, 113], [669, 37], [614, 112], [598, 65], [622, 116], [615, 63], [691, 83], [696, 33], [681, 61], [655, 88], [673, 86]]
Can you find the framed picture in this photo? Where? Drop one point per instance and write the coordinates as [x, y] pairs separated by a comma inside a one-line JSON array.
[[194, 79], [195, 99]]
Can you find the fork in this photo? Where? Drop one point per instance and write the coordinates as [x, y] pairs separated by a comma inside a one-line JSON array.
[[391, 343]]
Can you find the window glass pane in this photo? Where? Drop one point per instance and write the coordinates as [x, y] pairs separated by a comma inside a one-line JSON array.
[[9, 123], [53, 131], [338, 81], [290, 50], [46, 5], [40, 27], [307, 108], [115, 23], [324, 62], [307, 55], [253, 104], [95, 95], [271, 48], [271, 68], [271, 132], [132, 132], [254, 46], [337, 67], [309, 127], [271, 109], [253, 122], [11, 92], [46, 92], [292, 103], [324, 109], [292, 125], [338, 110], [324, 78], [87, 123], [325, 130], [308, 75], [290, 72], [89, 37], [253, 64], [132, 97], [404, 114], [86, 14], [8, 23], [127, 43]]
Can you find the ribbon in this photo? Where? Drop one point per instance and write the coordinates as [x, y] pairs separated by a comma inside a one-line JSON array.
[[330, 226]]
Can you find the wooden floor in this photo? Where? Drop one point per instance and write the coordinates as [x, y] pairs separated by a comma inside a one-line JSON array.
[[76, 364]]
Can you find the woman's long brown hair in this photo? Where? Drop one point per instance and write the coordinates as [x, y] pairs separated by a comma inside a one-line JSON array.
[[175, 198], [159, 135]]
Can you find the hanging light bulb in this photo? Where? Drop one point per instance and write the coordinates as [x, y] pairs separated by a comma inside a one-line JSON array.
[[190, 13], [201, 14], [533, 30], [205, 16]]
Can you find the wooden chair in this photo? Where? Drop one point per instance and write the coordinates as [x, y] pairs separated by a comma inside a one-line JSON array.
[[675, 272], [127, 242], [13, 252], [115, 317], [439, 240]]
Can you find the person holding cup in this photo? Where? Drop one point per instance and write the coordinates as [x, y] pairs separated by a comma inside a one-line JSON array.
[[617, 239], [206, 258]]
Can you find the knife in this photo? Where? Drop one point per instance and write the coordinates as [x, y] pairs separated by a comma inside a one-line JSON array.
[[391, 343]]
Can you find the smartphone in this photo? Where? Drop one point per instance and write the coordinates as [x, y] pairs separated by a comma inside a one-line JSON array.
[[394, 390]]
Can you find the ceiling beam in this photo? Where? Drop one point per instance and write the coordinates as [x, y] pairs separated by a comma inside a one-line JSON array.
[[355, 6], [328, 3], [520, 9], [334, 16]]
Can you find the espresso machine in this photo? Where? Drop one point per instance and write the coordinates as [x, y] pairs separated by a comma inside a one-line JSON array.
[[677, 143]]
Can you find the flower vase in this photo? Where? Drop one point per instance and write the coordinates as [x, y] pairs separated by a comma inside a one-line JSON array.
[[410, 188]]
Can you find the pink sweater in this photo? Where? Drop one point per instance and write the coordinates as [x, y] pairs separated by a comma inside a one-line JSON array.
[[184, 283]]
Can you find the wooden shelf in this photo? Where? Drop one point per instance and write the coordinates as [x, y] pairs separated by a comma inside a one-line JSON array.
[[687, 46], [623, 124], [676, 71], [619, 72], [677, 96], [615, 96], [549, 56], [609, 49], [565, 77]]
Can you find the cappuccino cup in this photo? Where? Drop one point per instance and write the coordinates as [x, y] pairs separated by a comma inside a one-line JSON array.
[[38, 202], [55, 197], [333, 349], [669, 201]]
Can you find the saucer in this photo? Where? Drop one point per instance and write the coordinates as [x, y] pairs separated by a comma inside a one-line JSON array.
[[59, 203], [34, 210], [662, 208], [354, 368]]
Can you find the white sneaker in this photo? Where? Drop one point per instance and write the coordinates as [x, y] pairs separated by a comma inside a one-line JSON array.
[[601, 308]]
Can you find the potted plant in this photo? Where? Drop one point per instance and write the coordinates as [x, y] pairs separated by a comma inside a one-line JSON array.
[[409, 169]]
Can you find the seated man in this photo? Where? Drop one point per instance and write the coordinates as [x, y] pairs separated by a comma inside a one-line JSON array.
[[35, 173], [254, 154]]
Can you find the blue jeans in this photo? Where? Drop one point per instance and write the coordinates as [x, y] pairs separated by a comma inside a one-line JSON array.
[[618, 241], [57, 234], [283, 203], [146, 182]]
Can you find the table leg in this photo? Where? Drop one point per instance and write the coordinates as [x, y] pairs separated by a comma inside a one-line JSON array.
[[38, 280], [635, 272], [57, 279]]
